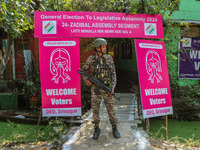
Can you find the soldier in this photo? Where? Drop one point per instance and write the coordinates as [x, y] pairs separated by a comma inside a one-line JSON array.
[[103, 69]]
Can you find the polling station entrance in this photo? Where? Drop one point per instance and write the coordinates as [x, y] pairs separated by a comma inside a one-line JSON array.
[[59, 34]]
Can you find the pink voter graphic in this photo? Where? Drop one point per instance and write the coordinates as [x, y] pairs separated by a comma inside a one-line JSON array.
[[60, 84], [153, 77], [60, 65]]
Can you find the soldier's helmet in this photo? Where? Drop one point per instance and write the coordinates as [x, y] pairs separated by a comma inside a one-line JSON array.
[[99, 41]]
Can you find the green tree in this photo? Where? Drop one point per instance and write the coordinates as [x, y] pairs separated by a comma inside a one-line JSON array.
[[16, 16]]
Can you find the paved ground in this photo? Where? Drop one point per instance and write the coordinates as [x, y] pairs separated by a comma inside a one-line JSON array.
[[132, 138]]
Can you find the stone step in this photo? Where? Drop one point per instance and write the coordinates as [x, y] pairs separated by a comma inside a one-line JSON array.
[[119, 106], [123, 121], [124, 103], [125, 96], [119, 116], [122, 99], [119, 111]]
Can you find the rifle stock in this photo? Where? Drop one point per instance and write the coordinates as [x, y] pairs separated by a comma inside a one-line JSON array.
[[98, 83]]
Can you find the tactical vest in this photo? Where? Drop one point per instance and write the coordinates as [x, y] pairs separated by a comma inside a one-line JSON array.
[[101, 70]]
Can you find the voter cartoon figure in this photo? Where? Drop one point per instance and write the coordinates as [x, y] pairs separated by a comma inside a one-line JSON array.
[[60, 65]]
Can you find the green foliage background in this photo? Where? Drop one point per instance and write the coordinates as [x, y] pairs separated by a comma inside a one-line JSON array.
[[16, 16]]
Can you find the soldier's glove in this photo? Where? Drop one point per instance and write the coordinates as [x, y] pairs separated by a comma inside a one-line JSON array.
[[113, 91], [88, 83]]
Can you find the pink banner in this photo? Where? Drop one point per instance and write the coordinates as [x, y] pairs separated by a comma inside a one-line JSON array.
[[60, 82], [154, 78], [97, 24]]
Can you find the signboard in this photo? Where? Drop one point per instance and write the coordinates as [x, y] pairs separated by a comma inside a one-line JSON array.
[[60, 82], [154, 79], [97, 24], [189, 58]]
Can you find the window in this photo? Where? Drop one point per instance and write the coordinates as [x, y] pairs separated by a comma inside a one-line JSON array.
[[25, 45]]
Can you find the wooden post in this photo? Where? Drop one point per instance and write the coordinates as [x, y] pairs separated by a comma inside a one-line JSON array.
[[58, 8], [138, 101], [143, 6], [147, 125], [40, 115], [166, 126], [71, 122]]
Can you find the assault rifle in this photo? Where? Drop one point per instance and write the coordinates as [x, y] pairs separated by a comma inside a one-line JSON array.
[[98, 83]]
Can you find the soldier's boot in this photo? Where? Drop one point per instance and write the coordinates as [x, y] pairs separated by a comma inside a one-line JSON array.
[[97, 132], [116, 134]]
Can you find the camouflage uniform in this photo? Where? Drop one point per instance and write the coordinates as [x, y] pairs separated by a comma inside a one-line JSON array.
[[104, 70]]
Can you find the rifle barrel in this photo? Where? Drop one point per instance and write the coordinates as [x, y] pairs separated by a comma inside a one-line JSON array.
[[97, 82]]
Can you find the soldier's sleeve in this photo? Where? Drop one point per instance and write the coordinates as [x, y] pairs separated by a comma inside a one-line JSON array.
[[87, 65], [112, 73]]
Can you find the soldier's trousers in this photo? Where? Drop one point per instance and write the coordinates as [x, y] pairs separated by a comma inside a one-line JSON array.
[[95, 104]]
